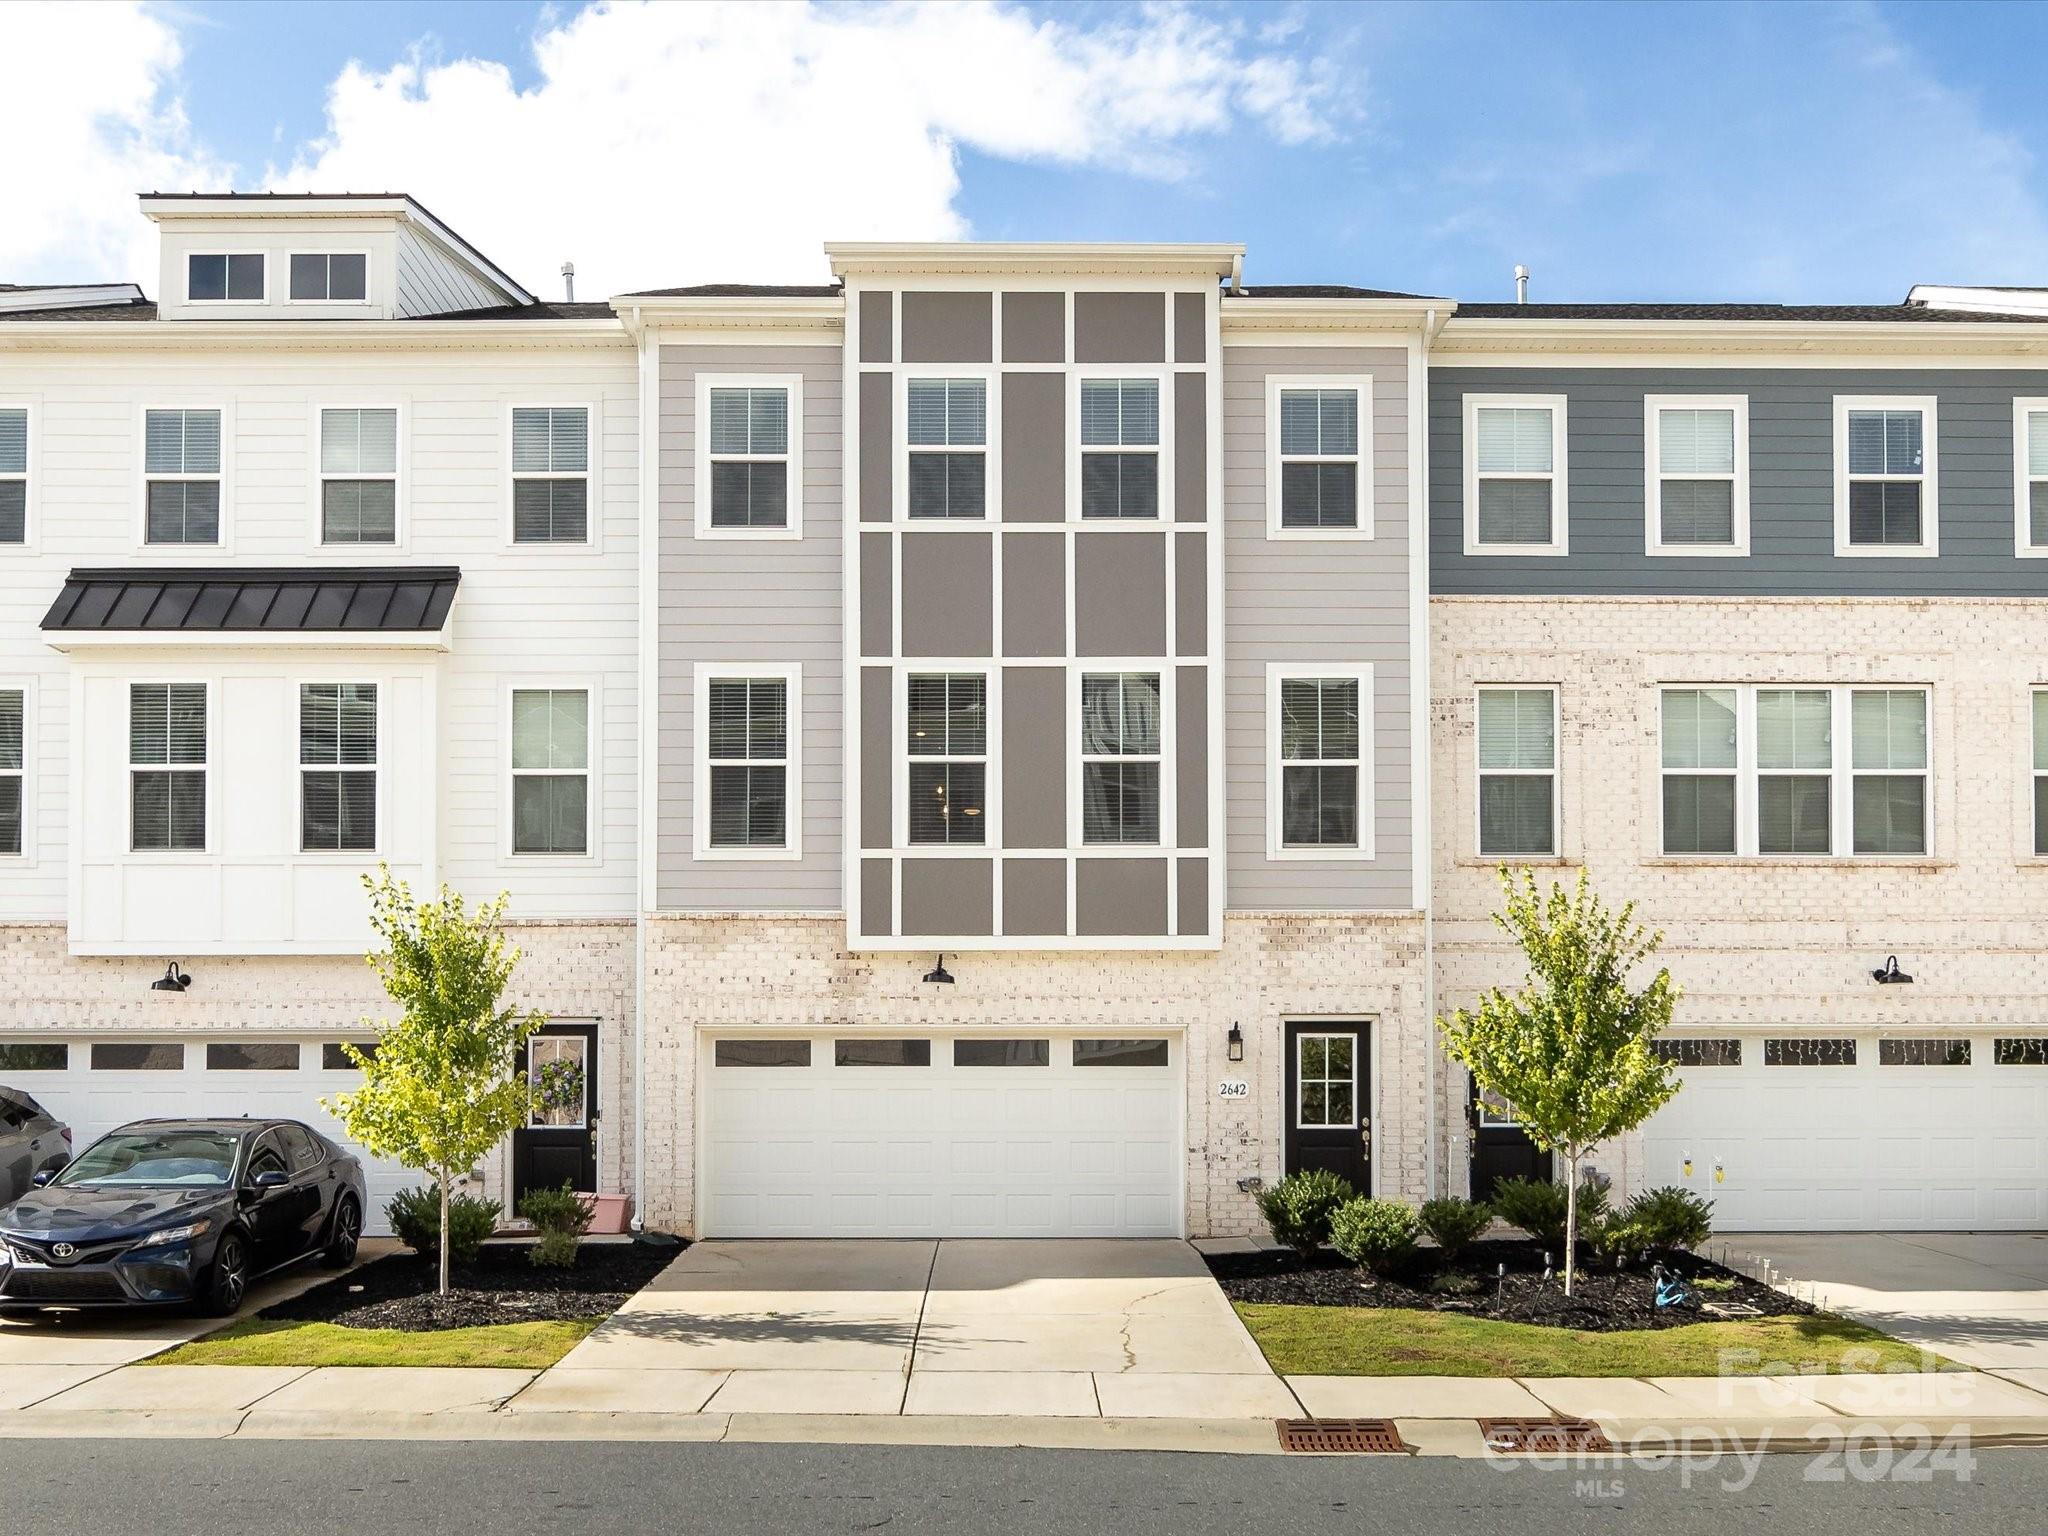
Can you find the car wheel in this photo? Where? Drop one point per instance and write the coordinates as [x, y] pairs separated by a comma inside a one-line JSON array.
[[345, 1234], [228, 1284]]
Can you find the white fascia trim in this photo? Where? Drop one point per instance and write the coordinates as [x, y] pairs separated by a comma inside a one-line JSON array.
[[1653, 474], [342, 335], [971, 258], [1929, 477], [1241, 313]]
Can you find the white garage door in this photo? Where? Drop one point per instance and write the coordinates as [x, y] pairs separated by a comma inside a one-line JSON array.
[[1026, 1135], [1860, 1133], [96, 1085]]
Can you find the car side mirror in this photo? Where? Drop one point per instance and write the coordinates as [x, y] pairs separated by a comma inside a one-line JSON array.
[[42, 1176], [269, 1179]]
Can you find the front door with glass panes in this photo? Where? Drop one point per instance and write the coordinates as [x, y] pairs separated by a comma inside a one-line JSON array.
[[558, 1143], [1329, 1100], [1501, 1149]]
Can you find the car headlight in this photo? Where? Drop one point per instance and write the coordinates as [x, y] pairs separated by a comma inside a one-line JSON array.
[[174, 1234]]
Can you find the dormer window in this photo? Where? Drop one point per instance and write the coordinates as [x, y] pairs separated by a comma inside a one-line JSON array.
[[217, 278], [330, 277]]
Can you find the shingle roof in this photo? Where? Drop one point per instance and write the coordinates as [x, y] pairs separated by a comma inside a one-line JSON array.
[[1320, 291], [539, 310], [1847, 313], [746, 291], [268, 600], [135, 309]]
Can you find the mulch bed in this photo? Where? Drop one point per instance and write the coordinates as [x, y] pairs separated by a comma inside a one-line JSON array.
[[1602, 1301], [503, 1285]]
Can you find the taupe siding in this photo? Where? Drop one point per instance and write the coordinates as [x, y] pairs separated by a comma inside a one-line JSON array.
[[1119, 328], [947, 327], [1034, 749]]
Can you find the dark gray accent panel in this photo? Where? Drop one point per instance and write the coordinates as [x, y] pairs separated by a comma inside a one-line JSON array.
[[1115, 897], [875, 577], [1119, 328], [1190, 328], [877, 742], [1034, 594], [1791, 485], [1191, 700], [1190, 448], [1034, 447], [876, 451], [948, 594], [1034, 757], [1034, 327], [877, 328], [877, 897], [1120, 594], [1035, 898], [943, 897], [947, 327], [1192, 876], [1191, 594]]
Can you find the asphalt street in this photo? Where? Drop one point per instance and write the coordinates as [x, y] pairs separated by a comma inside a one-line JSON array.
[[389, 1488]]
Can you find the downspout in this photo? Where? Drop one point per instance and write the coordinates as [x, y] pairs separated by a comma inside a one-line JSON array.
[[1422, 756], [644, 690]]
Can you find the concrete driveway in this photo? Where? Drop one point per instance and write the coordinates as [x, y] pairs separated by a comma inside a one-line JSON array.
[[1980, 1298], [1113, 1328]]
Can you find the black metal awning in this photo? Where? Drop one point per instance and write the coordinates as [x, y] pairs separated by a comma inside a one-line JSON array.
[[256, 600]]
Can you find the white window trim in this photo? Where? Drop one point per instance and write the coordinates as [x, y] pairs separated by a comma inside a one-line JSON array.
[[26, 687], [1554, 773], [900, 448], [1277, 674], [791, 676], [1095, 373], [701, 441], [986, 757], [1928, 478], [1654, 474], [1167, 757], [369, 277], [991, 844], [1275, 459], [1559, 477], [198, 553], [592, 814], [400, 479], [170, 855], [30, 477], [1742, 743], [2022, 481], [376, 768], [593, 541], [262, 255], [1357, 1042]]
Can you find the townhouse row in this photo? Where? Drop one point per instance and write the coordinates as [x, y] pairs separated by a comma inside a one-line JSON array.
[[1018, 740]]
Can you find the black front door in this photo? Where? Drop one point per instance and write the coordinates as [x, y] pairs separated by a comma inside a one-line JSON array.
[[558, 1144], [1501, 1149], [1329, 1100]]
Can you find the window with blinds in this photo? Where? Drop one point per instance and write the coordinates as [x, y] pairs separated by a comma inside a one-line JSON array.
[[1514, 484], [167, 767], [1888, 770], [748, 442], [337, 767], [1884, 474], [1517, 772], [1795, 765], [359, 475], [1320, 762], [551, 474], [13, 769], [13, 474], [947, 743], [2030, 475], [231, 277], [329, 277], [1696, 458], [1120, 757], [1120, 448], [1699, 770], [946, 421], [550, 770], [747, 748], [181, 457], [2040, 721], [1320, 470]]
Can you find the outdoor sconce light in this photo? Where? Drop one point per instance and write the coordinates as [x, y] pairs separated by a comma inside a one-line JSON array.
[[938, 973], [1889, 973], [172, 980], [1236, 1043]]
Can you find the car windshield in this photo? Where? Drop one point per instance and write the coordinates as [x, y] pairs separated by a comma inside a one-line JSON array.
[[201, 1159]]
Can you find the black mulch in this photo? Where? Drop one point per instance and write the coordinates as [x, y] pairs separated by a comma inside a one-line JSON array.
[[1602, 1301], [502, 1286]]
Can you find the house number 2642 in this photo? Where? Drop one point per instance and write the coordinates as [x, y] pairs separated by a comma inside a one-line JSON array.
[[1233, 1088]]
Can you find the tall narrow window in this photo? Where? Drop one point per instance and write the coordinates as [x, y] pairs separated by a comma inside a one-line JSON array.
[[13, 767], [948, 436], [13, 474], [1888, 766], [947, 744], [1318, 470], [167, 767], [1697, 461], [236, 277], [181, 476], [331, 277], [1514, 478], [359, 475], [1119, 447], [1120, 731], [550, 770], [2040, 707], [747, 751], [1699, 726], [550, 474], [337, 767], [748, 437], [1884, 475], [2030, 475], [1795, 757], [1517, 772], [1320, 746]]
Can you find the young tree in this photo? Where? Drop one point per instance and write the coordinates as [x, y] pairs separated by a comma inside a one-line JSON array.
[[1573, 1049], [443, 1086]]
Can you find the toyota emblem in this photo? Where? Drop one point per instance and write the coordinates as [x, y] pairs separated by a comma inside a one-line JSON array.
[[63, 1251]]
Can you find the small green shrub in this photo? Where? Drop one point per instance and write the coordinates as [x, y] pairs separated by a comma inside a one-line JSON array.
[[1453, 1282], [1537, 1207], [562, 1218], [415, 1216], [1718, 1285], [1374, 1234], [1455, 1224], [1298, 1209], [554, 1250], [1671, 1218], [1614, 1239]]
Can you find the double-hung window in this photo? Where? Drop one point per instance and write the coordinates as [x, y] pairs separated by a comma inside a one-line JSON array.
[[550, 474], [1696, 474], [2030, 476], [550, 770], [181, 455], [1515, 501], [1120, 757], [1885, 495], [1316, 476], [749, 479], [1319, 800], [167, 767], [947, 744], [1795, 758], [1888, 770], [337, 767], [359, 475], [232, 277], [1517, 772], [13, 474], [747, 764], [2040, 720], [948, 447], [13, 768], [1119, 448], [1700, 770], [329, 277]]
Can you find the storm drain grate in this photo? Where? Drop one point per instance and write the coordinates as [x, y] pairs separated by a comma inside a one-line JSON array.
[[1340, 1437], [1550, 1436]]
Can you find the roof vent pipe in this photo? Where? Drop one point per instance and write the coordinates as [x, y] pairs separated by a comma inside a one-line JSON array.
[[569, 282], [1521, 284]]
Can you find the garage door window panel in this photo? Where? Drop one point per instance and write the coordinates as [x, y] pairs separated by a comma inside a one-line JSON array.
[[1699, 1053], [1923, 1053], [137, 1056], [1802, 1051], [251, 1056], [2020, 1051], [1120, 1053], [34, 1056], [1002, 1053], [761, 1053], [881, 1053], [335, 1059]]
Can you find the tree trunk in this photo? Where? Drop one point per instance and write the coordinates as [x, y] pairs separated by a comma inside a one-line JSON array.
[[444, 1230], [1571, 1217]]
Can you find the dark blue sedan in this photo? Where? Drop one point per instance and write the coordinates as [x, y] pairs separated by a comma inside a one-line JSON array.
[[180, 1211]]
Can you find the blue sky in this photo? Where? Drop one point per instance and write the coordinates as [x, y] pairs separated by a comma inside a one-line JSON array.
[[1813, 152]]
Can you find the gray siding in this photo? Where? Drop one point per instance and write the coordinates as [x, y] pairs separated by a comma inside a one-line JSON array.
[[1791, 486], [430, 284]]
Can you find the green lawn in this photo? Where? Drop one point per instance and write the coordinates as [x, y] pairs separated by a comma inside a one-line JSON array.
[[260, 1342], [1393, 1341]]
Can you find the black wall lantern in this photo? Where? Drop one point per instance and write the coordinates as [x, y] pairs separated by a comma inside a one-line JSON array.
[[938, 973], [172, 980], [1889, 973], [1236, 1043]]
